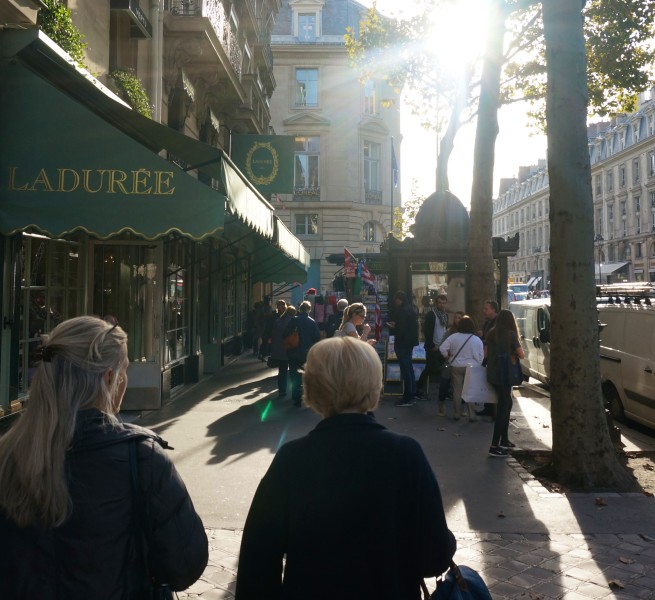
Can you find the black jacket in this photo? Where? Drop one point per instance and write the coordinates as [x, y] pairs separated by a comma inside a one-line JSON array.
[[92, 555], [406, 327], [356, 509]]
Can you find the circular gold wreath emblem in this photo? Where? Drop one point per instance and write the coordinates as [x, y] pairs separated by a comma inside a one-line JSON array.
[[265, 179]]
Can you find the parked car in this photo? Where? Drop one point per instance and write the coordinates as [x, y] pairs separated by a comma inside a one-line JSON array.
[[533, 320]]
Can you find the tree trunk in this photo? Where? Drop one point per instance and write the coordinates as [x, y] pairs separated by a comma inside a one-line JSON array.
[[583, 455], [480, 285]]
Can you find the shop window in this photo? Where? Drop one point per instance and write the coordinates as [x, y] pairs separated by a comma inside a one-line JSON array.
[[229, 299], [125, 286], [177, 309], [52, 290]]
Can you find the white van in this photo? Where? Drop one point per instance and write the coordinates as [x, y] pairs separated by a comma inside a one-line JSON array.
[[533, 320], [627, 352], [627, 347]]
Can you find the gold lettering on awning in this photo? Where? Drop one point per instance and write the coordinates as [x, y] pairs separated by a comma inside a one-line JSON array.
[[140, 182]]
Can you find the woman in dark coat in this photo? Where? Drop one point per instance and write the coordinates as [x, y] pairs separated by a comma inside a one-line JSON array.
[[502, 351], [68, 508], [355, 509]]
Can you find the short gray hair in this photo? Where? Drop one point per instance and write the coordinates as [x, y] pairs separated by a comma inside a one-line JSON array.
[[342, 375]]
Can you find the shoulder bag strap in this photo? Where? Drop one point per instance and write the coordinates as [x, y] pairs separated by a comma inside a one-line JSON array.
[[462, 348]]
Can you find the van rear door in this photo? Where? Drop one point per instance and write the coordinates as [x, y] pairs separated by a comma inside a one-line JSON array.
[[638, 365]]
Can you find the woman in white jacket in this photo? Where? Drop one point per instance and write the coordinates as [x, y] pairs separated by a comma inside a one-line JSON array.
[[461, 349]]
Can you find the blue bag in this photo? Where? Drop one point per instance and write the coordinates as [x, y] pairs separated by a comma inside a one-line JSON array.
[[460, 583], [510, 373]]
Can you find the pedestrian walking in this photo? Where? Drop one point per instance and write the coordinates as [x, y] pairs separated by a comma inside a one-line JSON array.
[[90, 507], [279, 357], [490, 312], [351, 510], [309, 334]]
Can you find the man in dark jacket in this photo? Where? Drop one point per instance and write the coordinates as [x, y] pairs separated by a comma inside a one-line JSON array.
[[405, 331], [435, 331], [309, 334]]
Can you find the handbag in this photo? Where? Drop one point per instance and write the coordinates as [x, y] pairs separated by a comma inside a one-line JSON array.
[[292, 340], [446, 372], [476, 388], [510, 372], [150, 589], [460, 583]]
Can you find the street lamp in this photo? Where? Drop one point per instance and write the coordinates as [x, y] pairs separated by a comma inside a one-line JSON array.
[[598, 240]]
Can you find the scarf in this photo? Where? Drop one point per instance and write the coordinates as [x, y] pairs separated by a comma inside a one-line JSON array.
[[442, 315]]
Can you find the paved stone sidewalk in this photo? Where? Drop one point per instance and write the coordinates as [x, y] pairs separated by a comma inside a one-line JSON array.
[[532, 566]]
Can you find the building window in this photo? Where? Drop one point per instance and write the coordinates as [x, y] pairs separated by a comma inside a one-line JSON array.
[[598, 187], [307, 87], [626, 253], [372, 171], [638, 251], [369, 232], [635, 170], [307, 224], [622, 176], [610, 181], [370, 98], [306, 170], [651, 163], [307, 27]]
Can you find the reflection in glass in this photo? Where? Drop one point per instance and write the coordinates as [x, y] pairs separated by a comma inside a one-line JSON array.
[[125, 279]]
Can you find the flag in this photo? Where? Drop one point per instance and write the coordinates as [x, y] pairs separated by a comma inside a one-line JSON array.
[[367, 276], [394, 166], [349, 263]]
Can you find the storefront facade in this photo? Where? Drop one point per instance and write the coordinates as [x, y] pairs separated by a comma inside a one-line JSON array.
[[94, 220]]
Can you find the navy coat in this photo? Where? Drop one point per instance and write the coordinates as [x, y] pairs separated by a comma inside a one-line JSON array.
[[357, 511]]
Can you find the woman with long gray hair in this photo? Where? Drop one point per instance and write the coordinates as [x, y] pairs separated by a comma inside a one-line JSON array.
[[83, 497]]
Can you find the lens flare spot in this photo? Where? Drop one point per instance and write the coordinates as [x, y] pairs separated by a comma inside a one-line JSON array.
[[266, 411]]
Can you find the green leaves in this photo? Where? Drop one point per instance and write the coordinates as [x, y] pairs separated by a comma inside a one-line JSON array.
[[55, 21], [131, 90]]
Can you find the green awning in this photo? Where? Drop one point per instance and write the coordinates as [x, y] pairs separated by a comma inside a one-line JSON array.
[[62, 168], [289, 262]]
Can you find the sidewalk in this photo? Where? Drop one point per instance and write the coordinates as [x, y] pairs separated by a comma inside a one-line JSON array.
[[525, 541]]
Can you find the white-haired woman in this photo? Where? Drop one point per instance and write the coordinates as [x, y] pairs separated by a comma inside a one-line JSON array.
[[71, 515], [355, 508]]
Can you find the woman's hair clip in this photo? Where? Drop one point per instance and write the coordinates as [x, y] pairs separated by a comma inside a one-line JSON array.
[[45, 353]]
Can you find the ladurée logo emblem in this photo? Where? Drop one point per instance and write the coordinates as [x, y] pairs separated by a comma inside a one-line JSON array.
[[262, 163]]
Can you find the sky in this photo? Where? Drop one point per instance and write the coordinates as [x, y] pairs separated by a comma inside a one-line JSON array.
[[516, 145]]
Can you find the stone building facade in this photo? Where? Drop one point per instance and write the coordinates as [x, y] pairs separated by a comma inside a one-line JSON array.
[[343, 189], [622, 156]]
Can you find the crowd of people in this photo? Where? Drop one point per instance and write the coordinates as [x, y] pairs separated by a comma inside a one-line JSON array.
[[93, 508]]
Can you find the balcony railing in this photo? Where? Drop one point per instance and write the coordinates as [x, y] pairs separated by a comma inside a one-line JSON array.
[[373, 197], [220, 22], [306, 194]]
